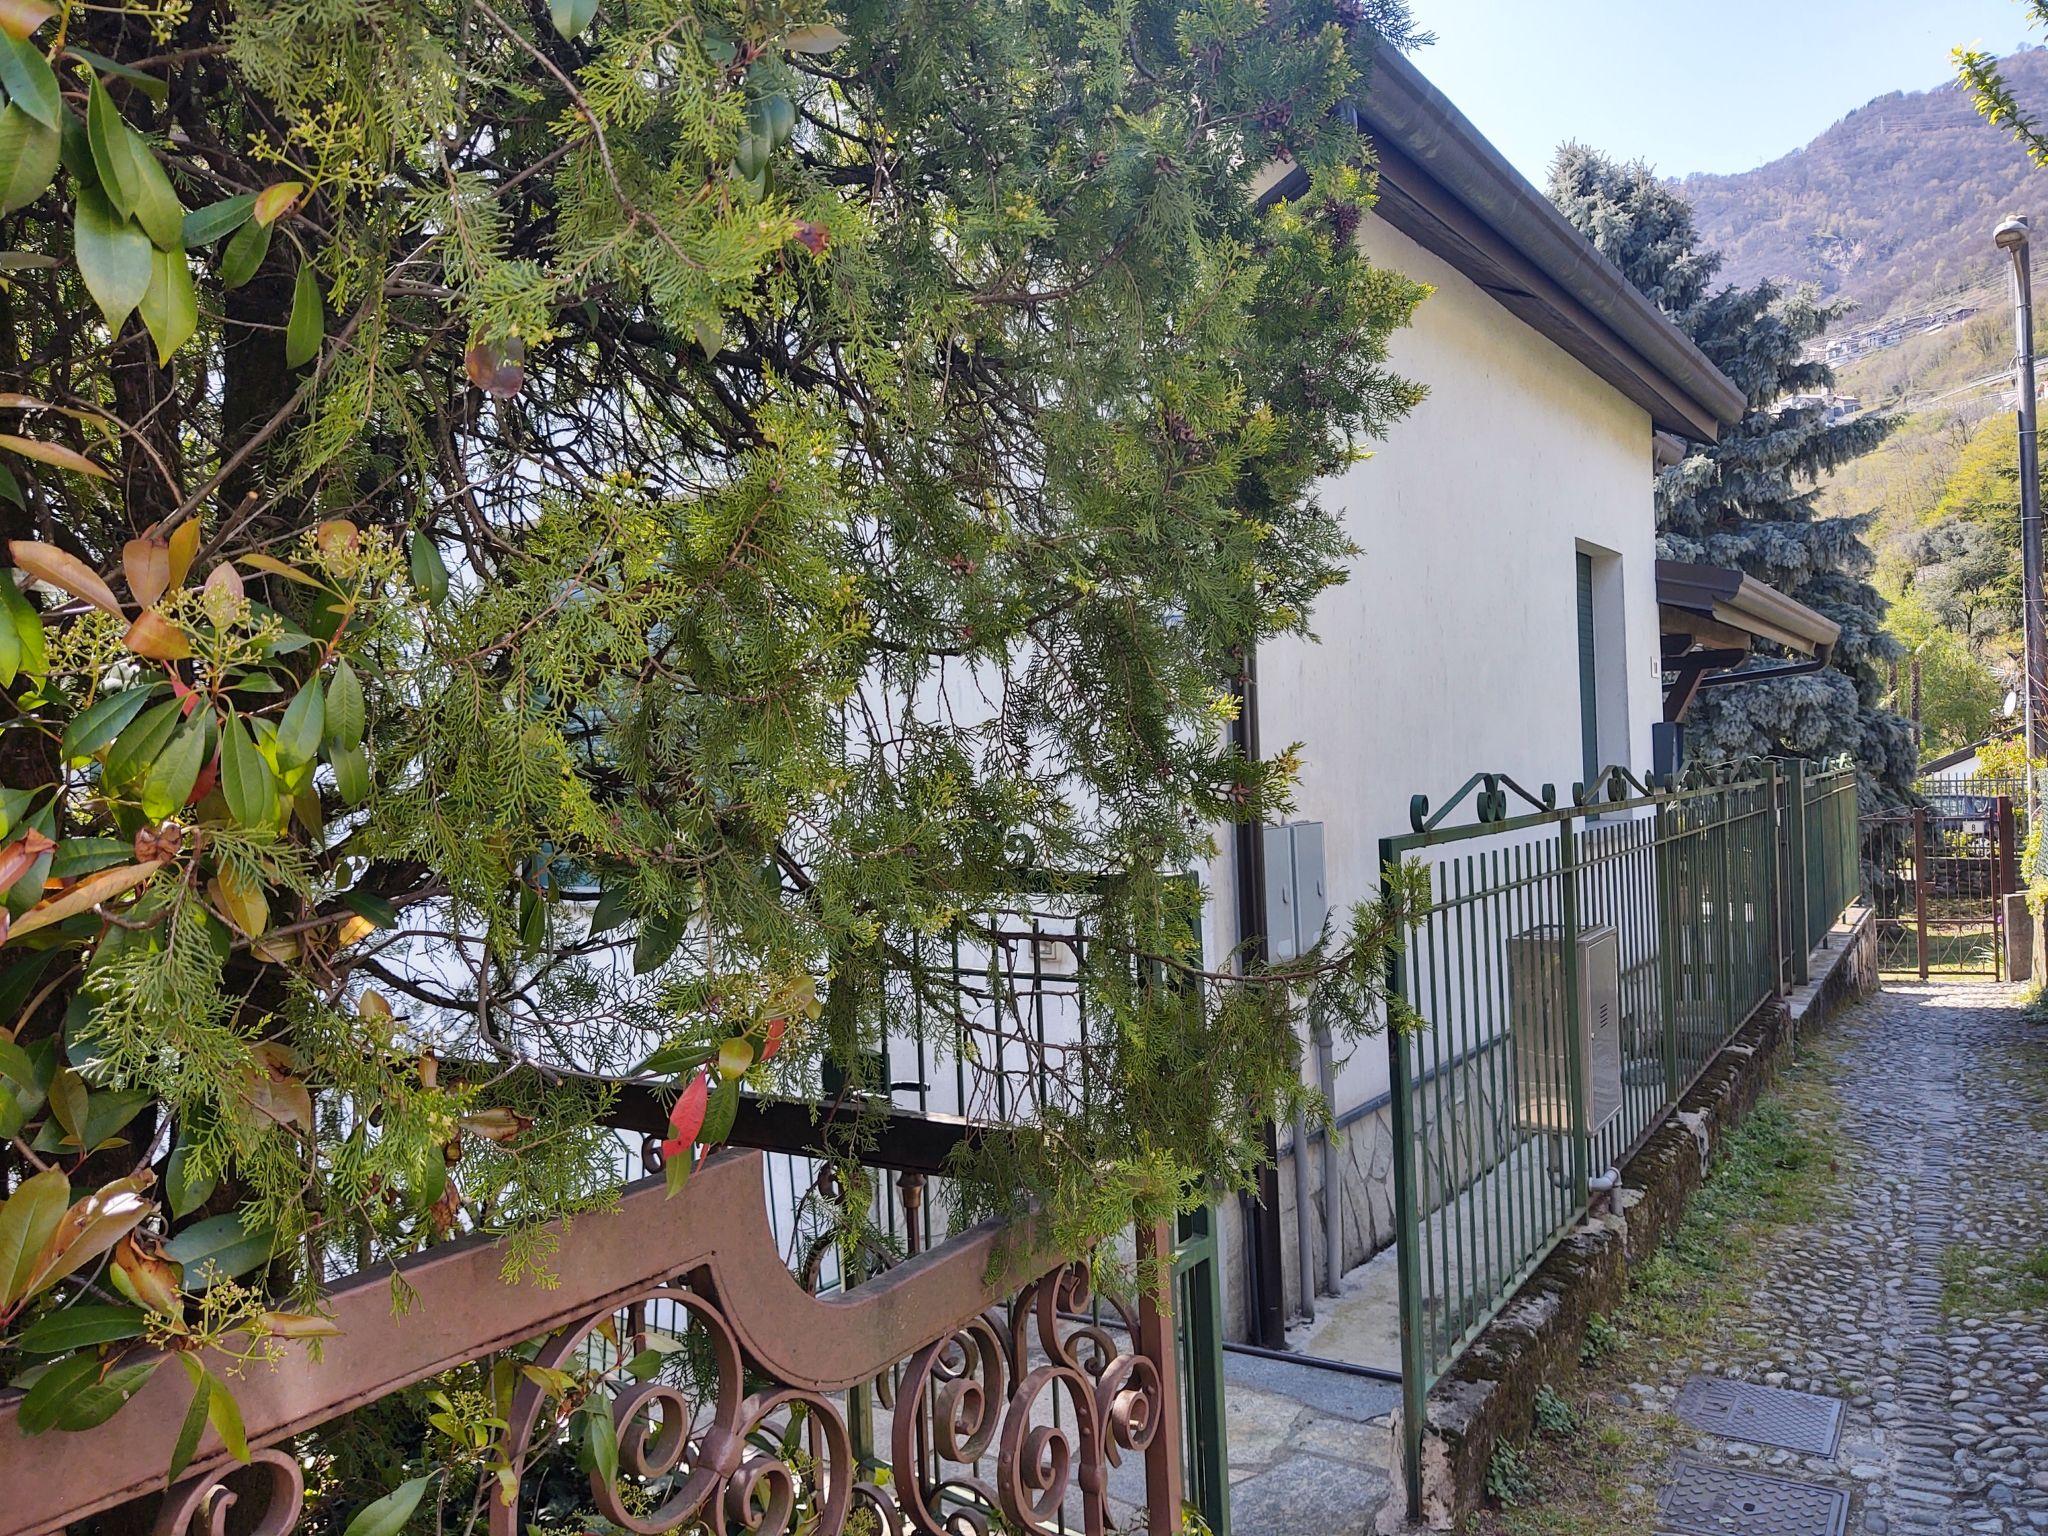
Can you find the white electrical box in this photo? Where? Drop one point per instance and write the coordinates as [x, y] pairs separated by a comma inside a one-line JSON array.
[[1540, 1022]]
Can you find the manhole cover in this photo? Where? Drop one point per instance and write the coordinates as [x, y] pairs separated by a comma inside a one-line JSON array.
[[1706, 1500], [1797, 1421]]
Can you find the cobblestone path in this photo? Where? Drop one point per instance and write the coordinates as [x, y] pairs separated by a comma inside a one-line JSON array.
[[1913, 1300]]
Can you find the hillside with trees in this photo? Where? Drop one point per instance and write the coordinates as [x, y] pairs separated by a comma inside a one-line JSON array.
[[1891, 207]]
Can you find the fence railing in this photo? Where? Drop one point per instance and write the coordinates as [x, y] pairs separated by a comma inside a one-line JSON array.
[[1579, 967]]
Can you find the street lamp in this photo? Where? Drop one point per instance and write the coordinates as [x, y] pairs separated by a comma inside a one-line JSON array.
[[2011, 237]]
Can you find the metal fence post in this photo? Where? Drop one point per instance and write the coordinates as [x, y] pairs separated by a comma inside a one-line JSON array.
[[1724, 913], [1920, 884], [1200, 1288], [1774, 830], [1575, 1057], [1670, 947], [1799, 845], [1415, 1381]]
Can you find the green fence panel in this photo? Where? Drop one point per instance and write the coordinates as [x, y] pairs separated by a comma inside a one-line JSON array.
[[1578, 968]]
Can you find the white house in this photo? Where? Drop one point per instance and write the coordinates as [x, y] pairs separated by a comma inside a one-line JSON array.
[[1503, 615]]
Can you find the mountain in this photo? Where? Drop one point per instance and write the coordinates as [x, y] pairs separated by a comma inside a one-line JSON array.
[[1892, 207]]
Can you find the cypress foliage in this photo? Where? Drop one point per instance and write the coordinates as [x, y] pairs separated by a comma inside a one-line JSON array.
[[560, 541], [1748, 499]]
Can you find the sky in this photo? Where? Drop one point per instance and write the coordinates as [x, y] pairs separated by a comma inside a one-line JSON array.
[[1721, 86]]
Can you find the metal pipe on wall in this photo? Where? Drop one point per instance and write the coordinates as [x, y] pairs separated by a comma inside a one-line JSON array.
[[1333, 1185]]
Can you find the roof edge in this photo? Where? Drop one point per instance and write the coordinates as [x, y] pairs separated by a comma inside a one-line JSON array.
[[1430, 152]]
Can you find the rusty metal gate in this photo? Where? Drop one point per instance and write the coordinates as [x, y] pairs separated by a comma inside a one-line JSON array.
[[1938, 877]]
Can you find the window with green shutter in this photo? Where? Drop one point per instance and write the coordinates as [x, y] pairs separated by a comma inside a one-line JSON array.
[[1589, 681]]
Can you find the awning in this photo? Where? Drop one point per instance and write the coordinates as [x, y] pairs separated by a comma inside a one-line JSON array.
[[1710, 616]]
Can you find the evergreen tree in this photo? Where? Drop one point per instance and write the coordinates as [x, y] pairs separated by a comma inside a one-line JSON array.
[[558, 542], [1748, 500]]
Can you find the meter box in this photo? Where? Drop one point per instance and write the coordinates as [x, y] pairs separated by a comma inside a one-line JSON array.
[[1540, 1025]]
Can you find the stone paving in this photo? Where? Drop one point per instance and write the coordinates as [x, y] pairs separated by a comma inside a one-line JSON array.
[[1909, 1300]]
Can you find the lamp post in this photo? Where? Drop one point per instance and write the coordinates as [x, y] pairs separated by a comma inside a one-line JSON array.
[[2011, 237]]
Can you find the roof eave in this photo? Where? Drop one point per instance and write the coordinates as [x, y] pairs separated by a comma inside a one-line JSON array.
[[1446, 187]]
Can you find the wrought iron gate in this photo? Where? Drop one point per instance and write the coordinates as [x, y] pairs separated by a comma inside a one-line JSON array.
[[1938, 877]]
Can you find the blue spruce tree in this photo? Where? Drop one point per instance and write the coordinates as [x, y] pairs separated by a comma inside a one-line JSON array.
[[1748, 500]]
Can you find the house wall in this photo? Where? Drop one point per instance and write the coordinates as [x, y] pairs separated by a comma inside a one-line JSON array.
[[1454, 646]]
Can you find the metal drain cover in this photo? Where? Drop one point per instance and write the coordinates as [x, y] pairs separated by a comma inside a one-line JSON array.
[[1735, 1410], [1707, 1500]]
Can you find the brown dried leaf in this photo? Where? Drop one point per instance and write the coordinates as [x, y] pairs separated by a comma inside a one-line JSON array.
[[46, 562], [147, 1278], [90, 1228], [183, 544], [277, 200], [146, 562], [84, 896], [18, 18], [55, 454], [498, 368], [156, 637]]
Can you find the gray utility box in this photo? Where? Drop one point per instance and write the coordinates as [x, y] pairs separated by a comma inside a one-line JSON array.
[[1296, 902], [1540, 1026]]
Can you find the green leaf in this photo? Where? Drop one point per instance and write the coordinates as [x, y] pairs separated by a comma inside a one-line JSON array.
[[68, 1100], [114, 148], [15, 1064], [720, 1112], [93, 730], [108, 1112], [140, 741], [387, 1516], [150, 85], [101, 1400], [185, 1189], [27, 622], [351, 773], [369, 904], [10, 488], [344, 725], [225, 1414], [63, 1381], [171, 777], [113, 257], [205, 225], [571, 16], [30, 82], [27, 1219], [10, 640], [218, 1249], [601, 1441], [246, 779], [157, 208], [308, 322], [244, 254], [195, 1418], [300, 728], [170, 308], [80, 1327], [429, 571], [820, 38], [78, 856], [28, 158]]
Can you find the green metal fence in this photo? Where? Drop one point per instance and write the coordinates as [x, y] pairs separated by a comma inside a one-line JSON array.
[[1579, 967]]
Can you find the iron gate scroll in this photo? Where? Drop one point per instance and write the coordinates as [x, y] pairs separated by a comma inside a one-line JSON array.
[[1579, 967]]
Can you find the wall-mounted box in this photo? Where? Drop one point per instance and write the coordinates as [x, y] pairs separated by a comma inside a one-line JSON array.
[[1540, 1028], [1296, 901]]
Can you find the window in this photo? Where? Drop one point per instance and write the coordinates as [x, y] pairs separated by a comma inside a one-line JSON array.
[[1589, 673]]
